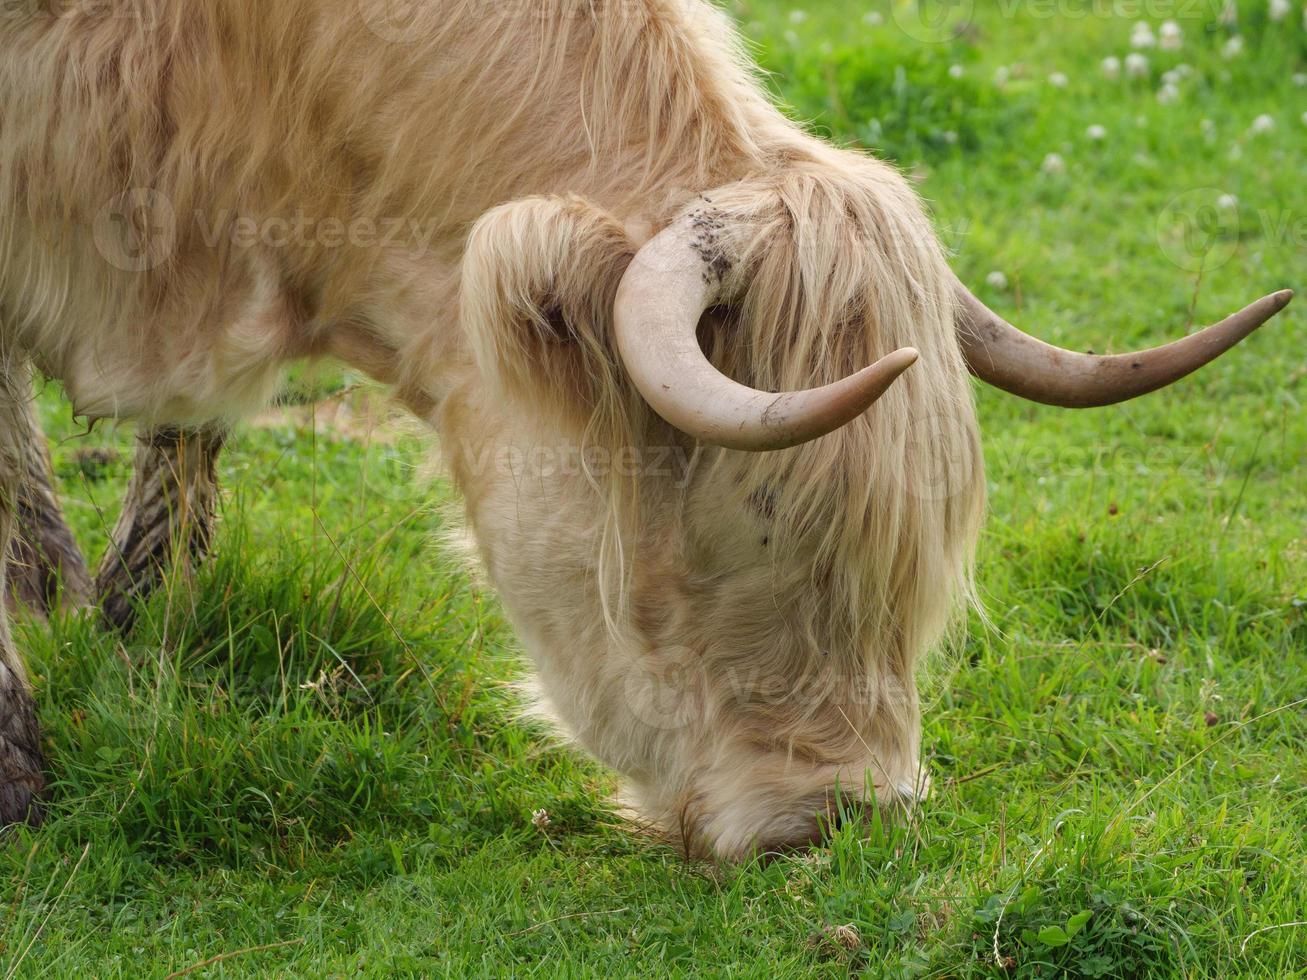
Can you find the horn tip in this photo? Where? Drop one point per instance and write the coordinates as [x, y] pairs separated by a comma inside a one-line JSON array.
[[1282, 299], [904, 358]]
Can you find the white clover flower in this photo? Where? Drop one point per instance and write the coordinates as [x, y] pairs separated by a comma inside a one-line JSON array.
[[950, 137], [1304, 118], [1233, 48], [1263, 124], [1172, 36], [1209, 129], [1168, 95], [1143, 36], [1096, 133], [956, 71], [1300, 79], [1227, 202], [1001, 75], [873, 18], [1136, 65], [798, 16], [790, 37], [1058, 80], [1054, 164], [997, 280], [1171, 77], [1112, 67], [1278, 10]]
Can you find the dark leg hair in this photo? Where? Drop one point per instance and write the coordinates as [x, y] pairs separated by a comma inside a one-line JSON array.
[[22, 776], [43, 556], [168, 515]]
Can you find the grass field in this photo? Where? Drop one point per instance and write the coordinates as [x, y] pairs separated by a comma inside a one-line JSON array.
[[274, 775]]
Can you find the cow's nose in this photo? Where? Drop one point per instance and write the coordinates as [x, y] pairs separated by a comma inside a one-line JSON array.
[[823, 823]]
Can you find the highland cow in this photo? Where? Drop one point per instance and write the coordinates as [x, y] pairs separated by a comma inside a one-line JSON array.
[[560, 230]]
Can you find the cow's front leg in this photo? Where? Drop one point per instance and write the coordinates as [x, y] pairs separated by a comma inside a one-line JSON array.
[[168, 516], [21, 766], [43, 556]]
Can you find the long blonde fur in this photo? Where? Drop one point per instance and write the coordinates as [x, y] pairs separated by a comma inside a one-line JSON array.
[[525, 150]]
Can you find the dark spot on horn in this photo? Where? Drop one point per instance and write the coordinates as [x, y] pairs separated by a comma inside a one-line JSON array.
[[708, 225]]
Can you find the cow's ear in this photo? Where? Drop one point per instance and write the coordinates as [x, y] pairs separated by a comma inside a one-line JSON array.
[[539, 280]]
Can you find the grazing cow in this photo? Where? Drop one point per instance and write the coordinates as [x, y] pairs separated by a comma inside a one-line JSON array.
[[577, 238]]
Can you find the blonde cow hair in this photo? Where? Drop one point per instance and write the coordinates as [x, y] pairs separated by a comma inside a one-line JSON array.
[[501, 209], [736, 633]]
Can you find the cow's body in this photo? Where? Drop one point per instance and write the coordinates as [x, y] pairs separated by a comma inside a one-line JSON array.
[[363, 160], [191, 202]]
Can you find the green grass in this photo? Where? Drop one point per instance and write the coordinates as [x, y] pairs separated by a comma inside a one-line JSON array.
[[271, 760]]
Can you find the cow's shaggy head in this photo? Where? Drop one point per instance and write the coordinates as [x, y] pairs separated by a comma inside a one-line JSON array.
[[736, 632], [726, 581], [730, 609]]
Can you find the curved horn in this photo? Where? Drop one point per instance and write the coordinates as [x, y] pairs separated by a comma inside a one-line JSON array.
[[1002, 355], [670, 283]]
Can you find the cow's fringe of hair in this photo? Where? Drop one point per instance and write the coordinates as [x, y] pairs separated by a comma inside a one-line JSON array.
[[843, 268], [540, 277], [539, 281]]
